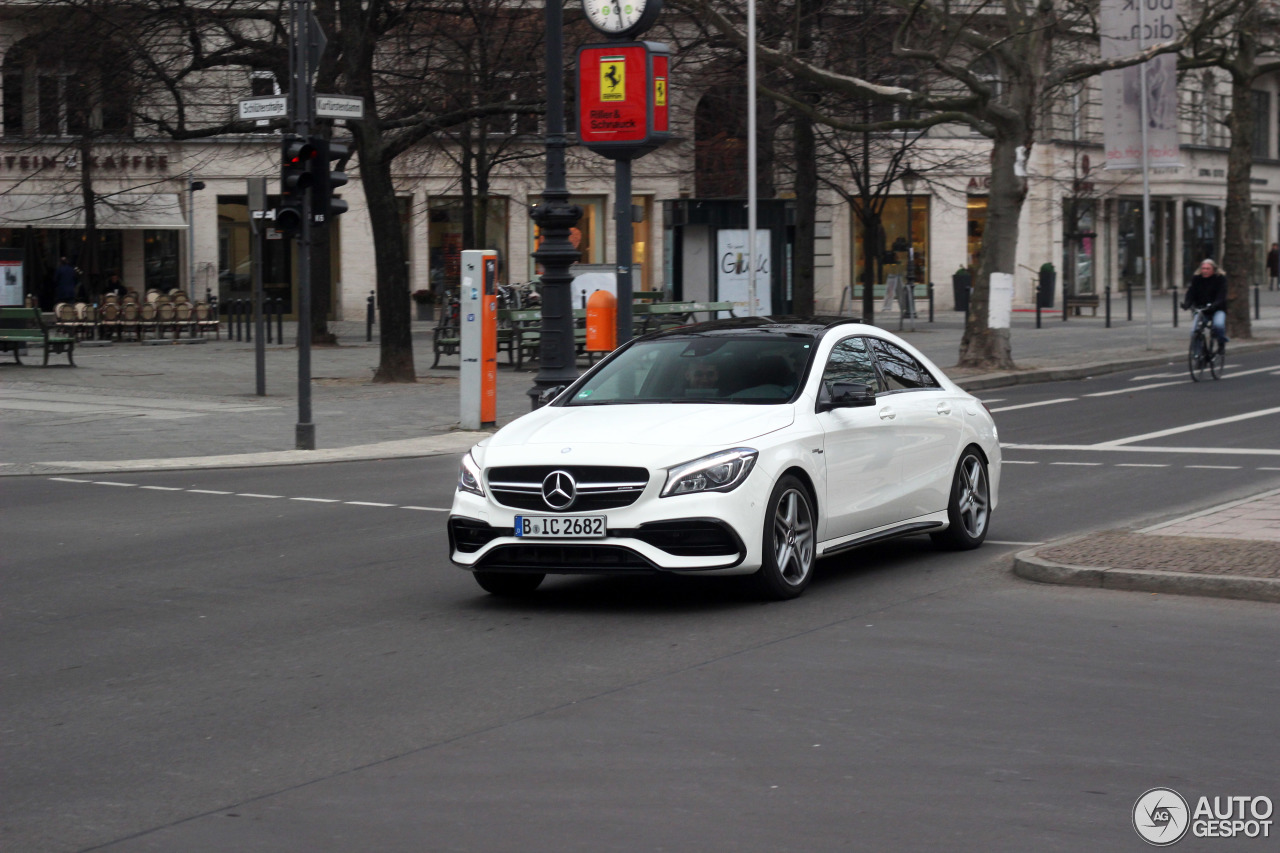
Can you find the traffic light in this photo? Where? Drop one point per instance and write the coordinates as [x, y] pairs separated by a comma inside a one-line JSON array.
[[296, 174], [323, 205]]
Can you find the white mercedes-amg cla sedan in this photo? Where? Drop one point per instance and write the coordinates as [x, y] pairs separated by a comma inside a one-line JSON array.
[[751, 446]]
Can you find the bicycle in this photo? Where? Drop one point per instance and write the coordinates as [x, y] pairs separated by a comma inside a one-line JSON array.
[[1205, 351]]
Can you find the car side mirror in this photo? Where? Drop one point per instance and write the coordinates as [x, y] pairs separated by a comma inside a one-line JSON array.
[[546, 395], [849, 395]]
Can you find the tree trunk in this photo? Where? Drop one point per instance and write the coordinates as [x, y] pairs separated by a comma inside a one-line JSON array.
[[1238, 226], [982, 346]]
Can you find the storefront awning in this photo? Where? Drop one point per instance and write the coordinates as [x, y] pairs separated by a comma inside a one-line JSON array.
[[116, 212]]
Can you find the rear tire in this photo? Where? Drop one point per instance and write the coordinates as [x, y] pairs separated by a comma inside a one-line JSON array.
[[969, 509], [1218, 359], [790, 540], [509, 583]]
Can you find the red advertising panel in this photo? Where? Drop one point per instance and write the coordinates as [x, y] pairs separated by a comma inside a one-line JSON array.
[[613, 94], [661, 122]]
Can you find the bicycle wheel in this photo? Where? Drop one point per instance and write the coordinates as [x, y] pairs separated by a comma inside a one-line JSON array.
[[1217, 359], [1196, 358]]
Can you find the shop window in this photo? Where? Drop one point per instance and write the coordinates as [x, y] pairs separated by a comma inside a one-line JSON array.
[[889, 250], [447, 236], [160, 261], [1200, 227], [1130, 248], [235, 259], [642, 276], [1261, 124], [1079, 245], [975, 229], [586, 236]]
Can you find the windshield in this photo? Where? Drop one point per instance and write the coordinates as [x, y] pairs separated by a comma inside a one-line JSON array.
[[756, 369]]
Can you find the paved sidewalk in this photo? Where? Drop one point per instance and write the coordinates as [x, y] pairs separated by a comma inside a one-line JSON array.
[[1228, 551]]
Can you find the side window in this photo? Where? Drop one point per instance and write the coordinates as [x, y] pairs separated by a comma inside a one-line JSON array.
[[901, 370], [851, 361]]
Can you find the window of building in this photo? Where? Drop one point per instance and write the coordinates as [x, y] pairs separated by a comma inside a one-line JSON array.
[[890, 251], [586, 236], [1130, 248], [160, 258], [51, 91], [1079, 245], [447, 236], [1200, 227], [1262, 125]]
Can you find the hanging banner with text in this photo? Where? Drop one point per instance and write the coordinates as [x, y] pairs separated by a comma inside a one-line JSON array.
[[1122, 90], [732, 271]]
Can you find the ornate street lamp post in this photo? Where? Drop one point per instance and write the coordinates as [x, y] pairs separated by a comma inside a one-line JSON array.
[[909, 179], [555, 217]]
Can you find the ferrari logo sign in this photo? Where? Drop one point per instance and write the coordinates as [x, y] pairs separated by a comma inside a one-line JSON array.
[[613, 78], [660, 92]]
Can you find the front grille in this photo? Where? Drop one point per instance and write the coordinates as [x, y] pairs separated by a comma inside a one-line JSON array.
[[600, 487], [689, 538], [550, 557]]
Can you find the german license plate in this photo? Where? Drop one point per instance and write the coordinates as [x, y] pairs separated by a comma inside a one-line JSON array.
[[560, 526]]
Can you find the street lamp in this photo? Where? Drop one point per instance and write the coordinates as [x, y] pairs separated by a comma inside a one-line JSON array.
[[557, 355], [193, 186], [909, 180]]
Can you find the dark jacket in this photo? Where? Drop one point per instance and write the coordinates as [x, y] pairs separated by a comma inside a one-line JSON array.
[[1210, 291], [64, 282]]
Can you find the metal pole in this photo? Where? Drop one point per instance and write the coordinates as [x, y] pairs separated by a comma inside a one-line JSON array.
[[302, 101], [1108, 290], [1146, 180], [1039, 285], [555, 217], [622, 209], [1175, 308], [752, 201], [191, 236], [257, 205]]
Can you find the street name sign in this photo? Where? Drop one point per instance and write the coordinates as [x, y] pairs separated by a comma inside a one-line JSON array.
[[269, 106], [339, 106]]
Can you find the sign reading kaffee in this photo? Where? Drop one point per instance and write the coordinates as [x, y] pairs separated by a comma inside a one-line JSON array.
[[622, 98]]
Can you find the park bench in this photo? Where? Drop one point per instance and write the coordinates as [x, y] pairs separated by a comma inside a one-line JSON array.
[[1076, 301], [656, 316], [22, 327]]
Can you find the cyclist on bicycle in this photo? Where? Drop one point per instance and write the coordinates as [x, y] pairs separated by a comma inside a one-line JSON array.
[[1208, 290]]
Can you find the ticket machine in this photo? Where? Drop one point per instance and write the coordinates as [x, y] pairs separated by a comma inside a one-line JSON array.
[[478, 339]]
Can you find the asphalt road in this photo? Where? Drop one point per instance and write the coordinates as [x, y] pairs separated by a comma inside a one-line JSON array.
[[282, 659]]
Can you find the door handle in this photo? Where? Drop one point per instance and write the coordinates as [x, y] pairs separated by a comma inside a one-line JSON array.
[[944, 408], [887, 414]]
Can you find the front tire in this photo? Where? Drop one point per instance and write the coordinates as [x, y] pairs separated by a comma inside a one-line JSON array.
[[1196, 358], [511, 584], [1218, 359], [790, 541], [969, 509]]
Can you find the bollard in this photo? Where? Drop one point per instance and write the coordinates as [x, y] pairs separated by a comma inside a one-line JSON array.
[[266, 316], [248, 320], [602, 322], [1175, 307], [584, 299], [368, 318], [1128, 294], [1108, 289], [279, 320], [1257, 302], [1037, 298], [233, 315], [930, 302]]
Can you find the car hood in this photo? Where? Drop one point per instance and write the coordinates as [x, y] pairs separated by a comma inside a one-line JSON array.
[[664, 425]]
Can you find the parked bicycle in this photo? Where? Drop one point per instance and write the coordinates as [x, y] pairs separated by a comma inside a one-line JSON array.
[[1205, 352]]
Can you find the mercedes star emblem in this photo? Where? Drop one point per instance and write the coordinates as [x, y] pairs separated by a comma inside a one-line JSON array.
[[559, 490]]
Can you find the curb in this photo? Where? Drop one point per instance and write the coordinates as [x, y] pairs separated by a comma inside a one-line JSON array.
[[1028, 566], [1055, 374]]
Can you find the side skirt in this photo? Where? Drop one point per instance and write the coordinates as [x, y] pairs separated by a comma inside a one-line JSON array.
[[880, 536]]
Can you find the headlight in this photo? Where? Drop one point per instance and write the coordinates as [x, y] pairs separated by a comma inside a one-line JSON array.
[[719, 472], [469, 479]]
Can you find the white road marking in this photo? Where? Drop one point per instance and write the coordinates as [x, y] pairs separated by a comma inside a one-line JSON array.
[[109, 483], [1188, 428], [1018, 462], [427, 508], [1130, 390], [207, 492], [365, 503], [1142, 465], [1156, 376], [1089, 464], [1019, 544], [318, 500], [1033, 405], [1218, 467], [1108, 448], [69, 480], [252, 495], [162, 488], [996, 400]]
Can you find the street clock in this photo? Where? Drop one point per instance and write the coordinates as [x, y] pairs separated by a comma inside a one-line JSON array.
[[622, 19]]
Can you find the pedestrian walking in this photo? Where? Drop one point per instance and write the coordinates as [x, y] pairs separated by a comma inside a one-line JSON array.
[[1273, 267], [65, 280]]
